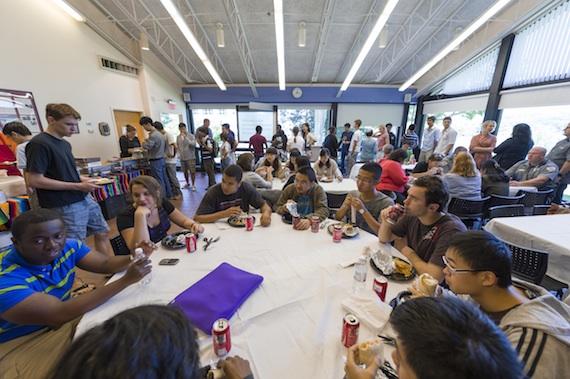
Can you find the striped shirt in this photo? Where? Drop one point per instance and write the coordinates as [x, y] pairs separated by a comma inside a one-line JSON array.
[[20, 279]]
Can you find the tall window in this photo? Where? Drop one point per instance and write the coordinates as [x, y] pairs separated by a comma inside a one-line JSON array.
[[217, 116], [318, 117], [475, 76], [466, 123]]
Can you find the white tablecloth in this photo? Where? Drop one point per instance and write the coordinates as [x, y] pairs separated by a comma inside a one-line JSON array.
[[335, 186], [547, 233], [12, 185], [514, 190], [291, 325]]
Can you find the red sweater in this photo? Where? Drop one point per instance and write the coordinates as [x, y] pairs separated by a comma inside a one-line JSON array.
[[393, 177]]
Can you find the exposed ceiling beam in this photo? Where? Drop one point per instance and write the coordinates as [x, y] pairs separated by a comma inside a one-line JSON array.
[[326, 18], [243, 49]]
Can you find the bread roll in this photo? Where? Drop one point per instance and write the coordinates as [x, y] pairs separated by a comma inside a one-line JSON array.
[[402, 267], [369, 350], [425, 285]]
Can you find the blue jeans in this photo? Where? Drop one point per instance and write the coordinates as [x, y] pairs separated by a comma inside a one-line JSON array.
[[158, 171], [343, 155]]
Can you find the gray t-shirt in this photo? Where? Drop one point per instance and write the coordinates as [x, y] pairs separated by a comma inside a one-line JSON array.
[[215, 200], [464, 187], [522, 171], [374, 206], [186, 147], [155, 145], [559, 154]]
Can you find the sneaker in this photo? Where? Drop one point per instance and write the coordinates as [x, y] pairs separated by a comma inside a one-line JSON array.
[[186, 185]]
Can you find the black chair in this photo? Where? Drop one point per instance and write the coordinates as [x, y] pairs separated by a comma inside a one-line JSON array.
[[506, 211], [334, 202], [529, 265], [119, 246], [531, 199], [496, 200], [540, 210], [469, 211]]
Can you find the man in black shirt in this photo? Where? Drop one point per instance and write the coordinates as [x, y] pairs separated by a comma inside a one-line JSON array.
[[391, 135], [52, 172]]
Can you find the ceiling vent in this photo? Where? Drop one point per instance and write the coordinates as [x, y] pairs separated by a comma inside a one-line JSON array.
[[111, 65]]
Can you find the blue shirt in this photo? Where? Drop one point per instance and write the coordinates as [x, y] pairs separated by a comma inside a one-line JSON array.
[[20, 279]]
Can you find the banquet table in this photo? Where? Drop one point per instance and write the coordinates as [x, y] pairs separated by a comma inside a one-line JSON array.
[[347, 185], [12, 185], [547, 233], [291, 325], [514, 190]]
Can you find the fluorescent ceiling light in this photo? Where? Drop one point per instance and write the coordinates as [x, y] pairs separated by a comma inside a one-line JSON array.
[[143, 42], [383, 39], [302, 40], [280, 39], [496, 8], [179, 20], [388, 9], [70, 10], [220, 37]]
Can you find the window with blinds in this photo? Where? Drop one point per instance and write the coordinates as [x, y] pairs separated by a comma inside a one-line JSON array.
[[541, 51], [474, 77]]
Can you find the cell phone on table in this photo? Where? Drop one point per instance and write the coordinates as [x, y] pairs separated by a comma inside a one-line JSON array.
[[168, 261]]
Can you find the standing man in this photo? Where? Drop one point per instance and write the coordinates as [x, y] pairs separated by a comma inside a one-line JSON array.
[[186, 143], [52, 172], [391, 135], [170, 161], [279, 141], [230, 136], [355, 144], [430, 138], [205, 129], [344, 145], [560, 154], [447, 139], [155, 146], [258, 143], [207, 148]]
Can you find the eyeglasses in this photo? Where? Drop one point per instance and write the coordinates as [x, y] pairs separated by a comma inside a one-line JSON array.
[[453, 270], [366, 180]]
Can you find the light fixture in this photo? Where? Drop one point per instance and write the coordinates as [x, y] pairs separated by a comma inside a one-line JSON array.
[[143, 42], [456, 34], [388, 9], [302, 40], [220, 38], [383, 39], [179, 21], [456, 42], [70, 10], [280, 40]]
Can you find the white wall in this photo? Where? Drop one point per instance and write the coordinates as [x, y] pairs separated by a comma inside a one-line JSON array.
[[371, 115], [55, 57]]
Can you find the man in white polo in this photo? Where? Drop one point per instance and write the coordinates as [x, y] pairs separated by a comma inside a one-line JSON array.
[[447, 139], [430, 138]]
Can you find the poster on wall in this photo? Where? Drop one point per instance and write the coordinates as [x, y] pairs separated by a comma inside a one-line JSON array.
[[249, 119], [19, 106], [170, 122]]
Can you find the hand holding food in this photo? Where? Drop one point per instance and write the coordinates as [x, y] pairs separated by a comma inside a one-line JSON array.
[[424, 285]]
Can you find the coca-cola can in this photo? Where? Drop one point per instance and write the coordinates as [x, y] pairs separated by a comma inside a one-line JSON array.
[[337, 233], [395, 212], [296, 221], [380, 286], [249, 223], [315, 222], [350, 325], [222, 342], [191, 241]]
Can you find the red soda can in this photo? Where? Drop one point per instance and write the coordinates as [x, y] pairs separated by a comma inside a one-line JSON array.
[[249, 223], [190, 242], [315, 222], [380, 286], [222, 341], [337, 233], [296, 221], [350, 325]]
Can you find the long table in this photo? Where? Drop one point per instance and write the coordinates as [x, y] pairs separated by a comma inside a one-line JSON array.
[[291, 325], [347, 185], [547, 233]]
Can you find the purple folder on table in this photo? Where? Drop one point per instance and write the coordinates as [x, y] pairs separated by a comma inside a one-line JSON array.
[[217, 295]]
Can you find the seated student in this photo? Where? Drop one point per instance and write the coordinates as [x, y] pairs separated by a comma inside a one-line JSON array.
[[270, 166], [463, 181], [494, 180], [410, 158], [536, 171], [366, 201], [535, 322], [443, 338], [149, 217], [325, 167], [422, 234], [310, 197], [245, 161], [301, 161], [447, 164], [393, 181], [231, 197], [433, 166], [171, 344], [37, 314]]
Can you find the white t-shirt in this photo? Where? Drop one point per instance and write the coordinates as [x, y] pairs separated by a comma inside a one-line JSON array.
[[299, 144], [429, 138], [170, 139], [21, 155], [355, 142], [447, 137]]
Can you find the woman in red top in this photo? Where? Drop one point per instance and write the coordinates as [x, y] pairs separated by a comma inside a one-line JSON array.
[[483, 144], [393, 180]]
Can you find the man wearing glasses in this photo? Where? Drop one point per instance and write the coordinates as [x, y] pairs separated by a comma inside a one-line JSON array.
[[367, 202], [535, 322]]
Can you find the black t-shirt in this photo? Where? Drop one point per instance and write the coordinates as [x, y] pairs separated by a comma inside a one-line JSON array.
[[420, 167], [215, 200], [126, 220], [52, 157]]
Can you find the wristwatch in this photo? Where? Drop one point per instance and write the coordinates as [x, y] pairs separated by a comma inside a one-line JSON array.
[[362, 211]]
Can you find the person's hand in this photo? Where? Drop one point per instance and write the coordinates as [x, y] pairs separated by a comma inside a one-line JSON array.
[[137, 270], [87, 186], [339, 178], [143, 211], [235, 367], [554, 209], [385, 214], [354, 371], [303, 224], [148, 247], [265, 219], [357, 204], [290, 201], [197, 228], [233, 211], [347, 201], [514, 183]]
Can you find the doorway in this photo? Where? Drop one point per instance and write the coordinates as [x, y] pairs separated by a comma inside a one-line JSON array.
[[123, 118]]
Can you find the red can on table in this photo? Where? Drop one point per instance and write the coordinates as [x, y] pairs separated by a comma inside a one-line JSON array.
[[295, 221], [249, 223], [315, 222], [380, 286], [350, 325], [191, 241], [337, 233], [222, 341]]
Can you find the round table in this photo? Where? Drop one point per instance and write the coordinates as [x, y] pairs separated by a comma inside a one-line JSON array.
[[291, 325]]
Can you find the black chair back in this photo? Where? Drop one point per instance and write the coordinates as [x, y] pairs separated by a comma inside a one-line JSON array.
[[531, 199], [529, 265], [469, 211], [119, 246], [540, 210], [506, 211], [334, 201], [497, 200]]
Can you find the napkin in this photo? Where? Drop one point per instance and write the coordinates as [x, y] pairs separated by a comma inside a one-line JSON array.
[[217, 295], [369, 309]]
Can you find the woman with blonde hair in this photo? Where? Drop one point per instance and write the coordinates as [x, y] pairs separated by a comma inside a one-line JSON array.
[[463, 181], [483, 144], [382, 136], [149, 216]]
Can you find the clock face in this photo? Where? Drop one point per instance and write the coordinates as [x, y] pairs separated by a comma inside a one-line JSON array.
[[297, 92]]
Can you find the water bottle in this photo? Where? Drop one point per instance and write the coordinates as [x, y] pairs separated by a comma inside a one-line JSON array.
[[139, 254], [360, 273]]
